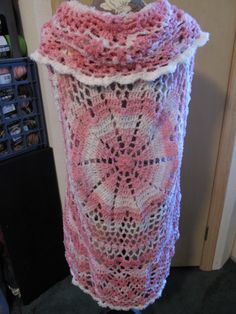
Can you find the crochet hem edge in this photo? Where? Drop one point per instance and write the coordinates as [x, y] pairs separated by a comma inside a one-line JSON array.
[[119, 308], [127, 308], [123, 79]]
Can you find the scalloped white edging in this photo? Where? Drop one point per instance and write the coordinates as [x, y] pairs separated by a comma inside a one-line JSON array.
[[120, 308], [120, 78]]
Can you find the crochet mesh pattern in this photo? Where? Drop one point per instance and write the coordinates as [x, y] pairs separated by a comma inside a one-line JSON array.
[[124, 137]]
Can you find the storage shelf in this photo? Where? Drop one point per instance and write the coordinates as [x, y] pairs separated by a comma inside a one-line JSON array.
[[22, 120]]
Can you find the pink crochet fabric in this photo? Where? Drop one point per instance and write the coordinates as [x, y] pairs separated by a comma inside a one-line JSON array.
[[122, 86]]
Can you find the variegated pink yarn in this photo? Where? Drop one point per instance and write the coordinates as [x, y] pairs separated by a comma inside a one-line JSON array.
[[122, 86]]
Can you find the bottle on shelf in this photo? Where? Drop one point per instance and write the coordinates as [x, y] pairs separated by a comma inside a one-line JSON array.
[[5, 48]]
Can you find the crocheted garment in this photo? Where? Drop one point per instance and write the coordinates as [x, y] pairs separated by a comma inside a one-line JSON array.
[[122, 86]]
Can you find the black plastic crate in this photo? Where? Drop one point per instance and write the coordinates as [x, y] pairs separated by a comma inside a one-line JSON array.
[[22, 120]]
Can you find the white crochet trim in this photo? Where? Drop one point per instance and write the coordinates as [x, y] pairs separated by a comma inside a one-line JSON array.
[[120, 78], [118, 308]]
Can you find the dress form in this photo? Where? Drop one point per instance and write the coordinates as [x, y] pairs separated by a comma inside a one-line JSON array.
[[135, 5]]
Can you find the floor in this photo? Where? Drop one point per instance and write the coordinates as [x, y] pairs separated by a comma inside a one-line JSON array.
[[188, 290]]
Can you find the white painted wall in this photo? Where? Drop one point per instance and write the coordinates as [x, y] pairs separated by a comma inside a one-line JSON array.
[[34, 13]]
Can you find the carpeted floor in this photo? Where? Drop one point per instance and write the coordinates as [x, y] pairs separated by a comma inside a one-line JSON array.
[[188, 291]]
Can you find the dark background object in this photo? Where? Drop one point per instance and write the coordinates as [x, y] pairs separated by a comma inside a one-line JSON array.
[[6, 8], [31, 220], [3, 304], [5, 49], [30, 210]]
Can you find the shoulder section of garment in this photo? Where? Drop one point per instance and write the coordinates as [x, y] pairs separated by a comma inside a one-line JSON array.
[[100, 48]]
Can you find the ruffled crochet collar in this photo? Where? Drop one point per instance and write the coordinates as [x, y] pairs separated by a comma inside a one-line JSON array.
[[99, 47]]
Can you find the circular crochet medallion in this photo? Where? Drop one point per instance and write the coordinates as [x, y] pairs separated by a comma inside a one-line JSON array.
[[125, 156]]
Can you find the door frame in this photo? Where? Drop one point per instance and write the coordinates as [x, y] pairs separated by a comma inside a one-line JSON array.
[[222, 170]]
